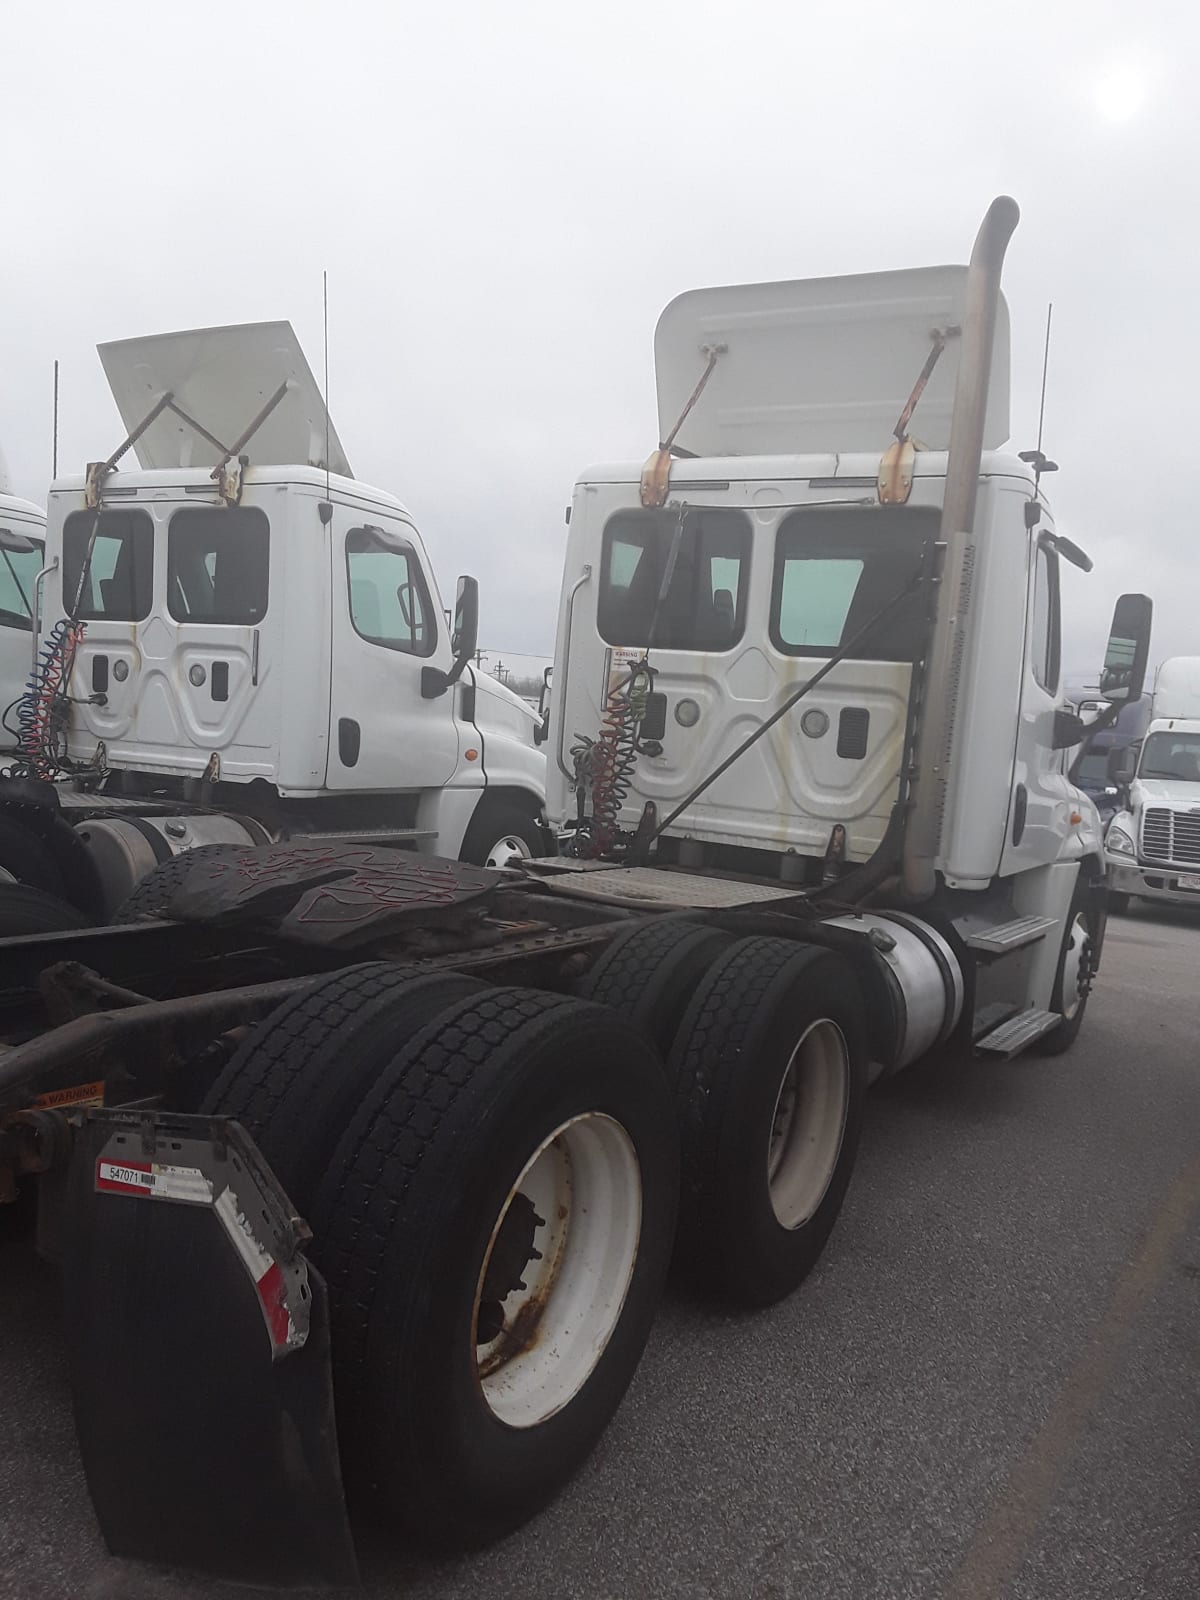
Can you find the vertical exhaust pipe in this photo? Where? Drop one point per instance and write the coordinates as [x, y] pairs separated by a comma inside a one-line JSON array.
[[943, 678]]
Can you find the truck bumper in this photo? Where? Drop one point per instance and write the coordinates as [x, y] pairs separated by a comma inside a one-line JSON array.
[[1153, 883]]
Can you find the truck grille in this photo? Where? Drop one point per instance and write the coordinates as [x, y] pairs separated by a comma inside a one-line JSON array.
[[1171, 836]]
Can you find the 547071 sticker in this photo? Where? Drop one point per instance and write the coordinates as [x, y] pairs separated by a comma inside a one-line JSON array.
[[152, 1180]]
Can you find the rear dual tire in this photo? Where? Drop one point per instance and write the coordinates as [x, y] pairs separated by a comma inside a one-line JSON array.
[[494, 1221], [770, 1072]]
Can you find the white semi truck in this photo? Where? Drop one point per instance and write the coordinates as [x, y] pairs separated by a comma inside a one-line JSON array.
[[243, 643], [1153, 842], [364, 1167]]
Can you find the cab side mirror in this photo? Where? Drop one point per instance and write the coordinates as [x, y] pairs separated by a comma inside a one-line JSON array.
[[17, 543], [1121, 765], [542, 732], [464, 640], [1124, 672]]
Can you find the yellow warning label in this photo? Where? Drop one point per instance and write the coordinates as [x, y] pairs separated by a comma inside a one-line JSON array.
[[80, 1094]]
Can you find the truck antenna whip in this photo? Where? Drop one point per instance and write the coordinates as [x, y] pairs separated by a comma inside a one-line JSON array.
[[54, 432], [325, 315], [1045, 370], [1035, 458]]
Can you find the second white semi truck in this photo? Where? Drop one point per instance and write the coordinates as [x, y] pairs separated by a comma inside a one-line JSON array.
[[1153, 842]]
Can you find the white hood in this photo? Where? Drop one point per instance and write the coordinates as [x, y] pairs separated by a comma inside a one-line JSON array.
[[1166, 792]]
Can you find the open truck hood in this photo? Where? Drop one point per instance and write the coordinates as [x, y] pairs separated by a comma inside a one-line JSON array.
[[821, 364], [223, 377]]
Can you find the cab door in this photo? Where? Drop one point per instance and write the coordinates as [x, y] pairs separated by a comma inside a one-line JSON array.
[[388, 626], [1043, 797]]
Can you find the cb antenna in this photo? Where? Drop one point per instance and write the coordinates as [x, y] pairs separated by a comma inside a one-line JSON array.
[[1035, 457], [325, 316], [54, 432]]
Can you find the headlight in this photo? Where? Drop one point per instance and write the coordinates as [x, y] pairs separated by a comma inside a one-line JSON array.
[[1119, 842]]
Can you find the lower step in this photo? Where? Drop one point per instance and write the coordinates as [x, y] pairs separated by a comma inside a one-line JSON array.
[[1018, 1033], [1002, 937]]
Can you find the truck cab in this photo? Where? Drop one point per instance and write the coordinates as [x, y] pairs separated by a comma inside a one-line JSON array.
[[1153, 842], [256, 632], [792, 544]]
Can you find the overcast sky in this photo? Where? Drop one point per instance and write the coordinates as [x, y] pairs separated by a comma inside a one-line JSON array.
[[506, 195]]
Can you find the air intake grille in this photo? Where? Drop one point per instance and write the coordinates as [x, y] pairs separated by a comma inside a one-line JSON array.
[[1171, 836]]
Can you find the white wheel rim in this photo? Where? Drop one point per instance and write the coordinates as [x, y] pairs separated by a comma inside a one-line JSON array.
[[808, 1123], [1073, 987], [584, 1184], [507, 850]]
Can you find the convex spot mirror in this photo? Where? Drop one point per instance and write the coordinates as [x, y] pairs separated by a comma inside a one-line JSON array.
[[1124, 670]]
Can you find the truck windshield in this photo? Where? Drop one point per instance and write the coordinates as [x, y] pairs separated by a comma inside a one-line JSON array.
[[705, 605], [18, 571], [1171, 755], [836, 567]]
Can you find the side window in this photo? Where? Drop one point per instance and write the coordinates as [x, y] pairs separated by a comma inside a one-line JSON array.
[[117, 582], [18, 573], [1045, 625], [218, 565], [389, 603]]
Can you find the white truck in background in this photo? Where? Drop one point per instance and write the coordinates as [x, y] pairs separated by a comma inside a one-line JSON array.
[[242, 643], [22, 540], [1152, 845]]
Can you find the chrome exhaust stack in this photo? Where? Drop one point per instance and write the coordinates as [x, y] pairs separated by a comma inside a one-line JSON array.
[[943, 677]]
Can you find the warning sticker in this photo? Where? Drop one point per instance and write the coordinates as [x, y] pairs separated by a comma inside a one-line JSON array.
[[80, 1094], [622, 659], [154, 1181]]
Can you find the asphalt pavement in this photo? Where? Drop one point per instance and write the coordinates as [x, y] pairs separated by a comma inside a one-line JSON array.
[[989, 1388]]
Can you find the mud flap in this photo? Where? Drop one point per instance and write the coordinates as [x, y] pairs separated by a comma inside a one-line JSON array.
[[198, 1341]]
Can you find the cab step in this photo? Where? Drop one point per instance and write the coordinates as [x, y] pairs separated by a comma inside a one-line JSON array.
[[1001, 937], [1015, 1035]]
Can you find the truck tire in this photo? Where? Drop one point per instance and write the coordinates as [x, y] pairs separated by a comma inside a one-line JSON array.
[[501, 832], [157, 889], [296, 1079], [770, 1068], [1072, 982], [24, 909], [474, 1369], [649, 973], [24, 858]]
